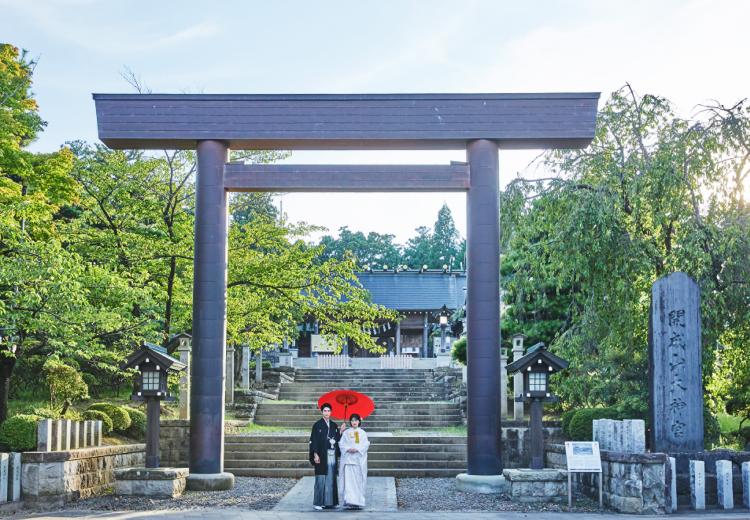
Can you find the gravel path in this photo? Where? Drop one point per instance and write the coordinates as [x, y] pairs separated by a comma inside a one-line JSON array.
[[440, 494], [250, 493]]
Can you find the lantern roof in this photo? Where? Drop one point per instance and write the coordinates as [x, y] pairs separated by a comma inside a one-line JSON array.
[[536, 352], [174, 341], [155, 352]]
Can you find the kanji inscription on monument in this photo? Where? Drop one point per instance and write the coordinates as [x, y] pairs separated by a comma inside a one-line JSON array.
[[676, 388]]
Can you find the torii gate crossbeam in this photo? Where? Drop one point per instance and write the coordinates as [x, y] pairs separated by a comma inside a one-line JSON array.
[[212, 124]]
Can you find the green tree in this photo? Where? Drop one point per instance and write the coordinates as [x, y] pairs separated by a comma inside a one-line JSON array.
[[374, 249], [445, 239], [418, 250], [653, 194]]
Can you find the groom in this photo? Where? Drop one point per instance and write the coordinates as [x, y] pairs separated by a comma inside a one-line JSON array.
[[324, 454]]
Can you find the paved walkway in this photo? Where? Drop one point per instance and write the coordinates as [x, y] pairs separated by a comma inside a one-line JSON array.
[[380, 495], [289, 515]]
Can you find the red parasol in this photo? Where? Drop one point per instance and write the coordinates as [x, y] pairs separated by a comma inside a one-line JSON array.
[[346, 402]]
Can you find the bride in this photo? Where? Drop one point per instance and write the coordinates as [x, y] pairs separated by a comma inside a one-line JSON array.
[[352, 480]]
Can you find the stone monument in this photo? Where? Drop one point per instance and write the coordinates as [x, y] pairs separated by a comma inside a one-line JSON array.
[[676, 386]]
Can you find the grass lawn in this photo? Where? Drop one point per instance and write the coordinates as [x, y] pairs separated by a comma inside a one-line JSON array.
[[729, 423]]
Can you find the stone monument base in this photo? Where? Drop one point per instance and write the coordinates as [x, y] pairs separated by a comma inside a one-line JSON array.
[[537, 485], [162, 482], [210, 481], [485, 484]]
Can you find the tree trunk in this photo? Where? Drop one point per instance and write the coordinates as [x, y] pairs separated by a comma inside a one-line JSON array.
[[6, 371], [170, 295]]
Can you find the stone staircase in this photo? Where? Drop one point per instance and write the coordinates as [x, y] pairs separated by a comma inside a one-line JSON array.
[[410, 409], [397, 456]]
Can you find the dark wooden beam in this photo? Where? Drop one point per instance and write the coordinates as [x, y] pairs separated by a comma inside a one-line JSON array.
[[346, 121], [345, 177]]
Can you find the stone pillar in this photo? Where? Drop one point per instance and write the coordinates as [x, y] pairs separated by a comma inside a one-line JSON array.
[[259, 366], [676, 384], [57, 430], [672, 507], [209, 321], [67, 426], [517, 378], [483, 310], [229, 381], [75, 435], [398, 338], [4, 463], [85, 435], [425, 334], [245, 370], [14, 487], [44, 435], [697, 485], [724, 490], [183, 351], [503, 384], [96, 430], [746, 484]]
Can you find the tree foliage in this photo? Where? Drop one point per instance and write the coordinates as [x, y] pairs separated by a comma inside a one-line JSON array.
[[653, 194]]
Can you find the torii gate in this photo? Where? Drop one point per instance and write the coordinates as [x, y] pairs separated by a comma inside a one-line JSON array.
[[214, 123]]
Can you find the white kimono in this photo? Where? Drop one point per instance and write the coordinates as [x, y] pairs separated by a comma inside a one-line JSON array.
[[352, 481]]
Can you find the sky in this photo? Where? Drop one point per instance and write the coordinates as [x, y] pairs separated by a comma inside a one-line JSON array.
[[690, 52]]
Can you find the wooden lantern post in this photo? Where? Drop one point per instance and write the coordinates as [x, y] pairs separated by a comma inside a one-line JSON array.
[[153, 365], [536, 366]]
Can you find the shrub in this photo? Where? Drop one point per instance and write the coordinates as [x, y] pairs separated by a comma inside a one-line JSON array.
[[137, 428], [41, 411], [711, 428], [65, 383], [73, 415], [581, 428], [19, 432], [458, 351], [96, 415], [565, 420], [118, 414], [264, 364]]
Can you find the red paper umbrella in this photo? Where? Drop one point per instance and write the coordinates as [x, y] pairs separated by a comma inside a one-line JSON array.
[[346, 402]]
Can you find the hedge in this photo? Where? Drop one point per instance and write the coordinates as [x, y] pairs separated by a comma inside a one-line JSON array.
[[118, 414], [581, 427], [96, 415], [19, 432], [565, 419], [137, 428]]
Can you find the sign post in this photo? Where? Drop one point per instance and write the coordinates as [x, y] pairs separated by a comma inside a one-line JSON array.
[[583, 457]]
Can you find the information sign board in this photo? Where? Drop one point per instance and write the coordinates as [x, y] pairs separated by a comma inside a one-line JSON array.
[[583, 456]]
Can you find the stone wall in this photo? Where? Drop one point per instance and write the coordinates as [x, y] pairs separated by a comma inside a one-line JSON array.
[[54, 478], [174, 443], [632, 482]]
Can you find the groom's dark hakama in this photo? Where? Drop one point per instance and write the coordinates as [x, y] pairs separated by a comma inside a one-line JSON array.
[[324, 440]]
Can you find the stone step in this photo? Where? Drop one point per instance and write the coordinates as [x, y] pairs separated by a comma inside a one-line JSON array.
[[409, 407], [312, 416], [431, 440], [261, 448], [373, 455], [313, 394], [372, 428], [335, 385], [308, 472], [230, 464]]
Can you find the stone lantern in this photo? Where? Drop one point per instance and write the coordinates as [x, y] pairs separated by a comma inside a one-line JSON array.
[[154, 366], [537, 365]]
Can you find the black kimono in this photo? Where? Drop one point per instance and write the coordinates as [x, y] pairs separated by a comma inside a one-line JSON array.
[[326, 489]]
